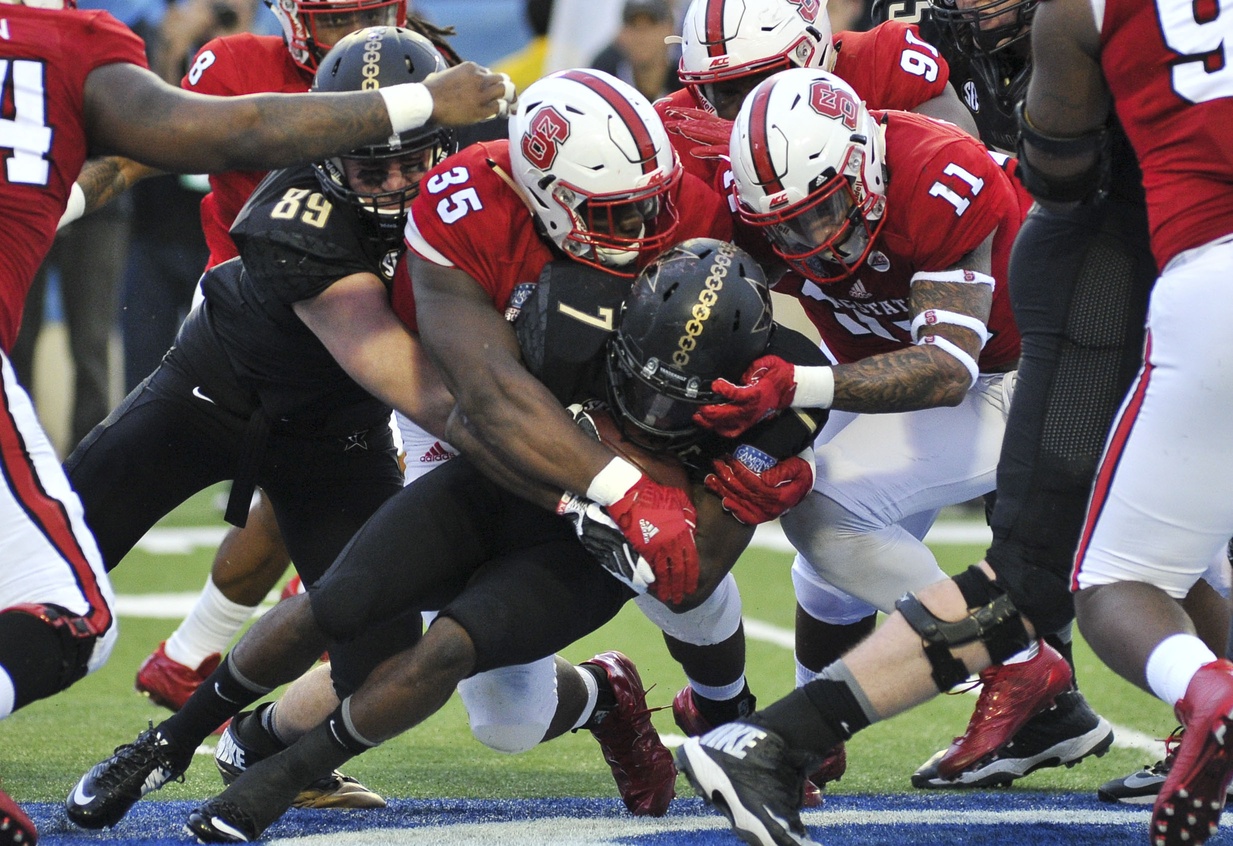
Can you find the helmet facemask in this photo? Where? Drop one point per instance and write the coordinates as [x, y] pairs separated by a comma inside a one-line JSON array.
[[312, 27], [615, 231], [965, 28], [387, 210]]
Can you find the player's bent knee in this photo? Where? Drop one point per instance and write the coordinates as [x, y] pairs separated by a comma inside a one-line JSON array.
[[713, 621], [823, 601], [992, 620], [511, 708], [45, 648]]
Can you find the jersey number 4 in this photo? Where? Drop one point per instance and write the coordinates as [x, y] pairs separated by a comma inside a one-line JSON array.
[[24, 133]]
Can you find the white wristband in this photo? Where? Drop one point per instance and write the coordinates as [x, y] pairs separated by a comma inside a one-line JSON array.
[[613, 482], [76, 206], [956, 351], [409, 105], [815, 387], [932, 317]]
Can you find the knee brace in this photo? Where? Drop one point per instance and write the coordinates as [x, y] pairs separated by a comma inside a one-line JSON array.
[[714, 621], [51, 649], [511, 708], [992, 619]]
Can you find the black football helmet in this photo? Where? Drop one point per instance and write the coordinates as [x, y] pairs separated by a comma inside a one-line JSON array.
[[366, 60], [1000, 55], [700, 311]]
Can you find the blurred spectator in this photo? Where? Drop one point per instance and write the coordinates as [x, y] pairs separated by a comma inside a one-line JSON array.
[[167, 247], [849, 15], [527, 65], [638, 55], [578, 31]]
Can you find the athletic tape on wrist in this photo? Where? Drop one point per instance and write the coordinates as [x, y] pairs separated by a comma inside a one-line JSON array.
[[815, 387], [967, 277], [934, 316], [76, 206], [954, 350], [613, 482], [409, 105]]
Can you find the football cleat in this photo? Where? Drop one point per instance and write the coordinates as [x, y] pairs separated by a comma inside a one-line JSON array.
[[690, 720], [168, 682], [1059, 736], [219, 821], [232, 757], [1011, 694], [1141, 786], [103, 795], [641, 764], [16, 829], [744, 772], [1193, 794]]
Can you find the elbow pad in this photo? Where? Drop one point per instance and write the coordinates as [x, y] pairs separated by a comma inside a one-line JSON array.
[[1081, 187]]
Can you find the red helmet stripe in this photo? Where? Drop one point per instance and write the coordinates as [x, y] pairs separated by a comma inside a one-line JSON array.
[[716, 43], [759, 146], [647, 154]]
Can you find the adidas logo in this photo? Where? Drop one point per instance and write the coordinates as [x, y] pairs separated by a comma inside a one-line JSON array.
[[735, 739], [649, 530], [858, 291], [436, 453]]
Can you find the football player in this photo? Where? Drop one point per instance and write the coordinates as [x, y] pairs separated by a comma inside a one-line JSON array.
[[519, 584], [86, 75], [1152, 528]]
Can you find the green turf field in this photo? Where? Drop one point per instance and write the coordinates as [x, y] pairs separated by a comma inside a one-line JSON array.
[[48, 745]]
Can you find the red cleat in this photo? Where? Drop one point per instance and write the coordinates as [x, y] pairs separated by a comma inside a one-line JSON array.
[[641, 764], [690, 720], [1193, 795], [1011, 694], [293, 586], [15, 827], [168, 682]]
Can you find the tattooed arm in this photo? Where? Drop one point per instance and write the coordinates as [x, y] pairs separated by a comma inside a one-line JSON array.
[[104, 179]]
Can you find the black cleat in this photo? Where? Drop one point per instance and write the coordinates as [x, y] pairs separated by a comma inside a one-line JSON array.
[[746, 773], [103, 796], [219, 821], [1060, 736]]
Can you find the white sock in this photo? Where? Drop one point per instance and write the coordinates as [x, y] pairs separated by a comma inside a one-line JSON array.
[[8, 694], [804, 675], [1173, 664], [592, 686], [208, 628], [719, 694]]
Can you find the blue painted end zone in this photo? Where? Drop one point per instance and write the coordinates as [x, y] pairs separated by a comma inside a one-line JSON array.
[[1008, 818]]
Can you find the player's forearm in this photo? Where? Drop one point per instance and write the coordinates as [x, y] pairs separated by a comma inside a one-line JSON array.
[[478, 453]]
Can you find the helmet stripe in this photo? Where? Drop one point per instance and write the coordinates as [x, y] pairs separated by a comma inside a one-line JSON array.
[[759, 146], [716, 43], [647, 153]]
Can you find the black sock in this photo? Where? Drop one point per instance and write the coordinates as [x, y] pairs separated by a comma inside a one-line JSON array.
[[816, 717], [605, 702], [219, 698], [720, 711], [256, 733]]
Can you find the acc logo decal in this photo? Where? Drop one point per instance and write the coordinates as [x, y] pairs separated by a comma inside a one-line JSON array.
[[544, 136]]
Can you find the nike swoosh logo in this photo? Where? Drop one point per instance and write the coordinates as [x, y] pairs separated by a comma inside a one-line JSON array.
[[80, 797], [218, 691], [1136, 780], [199, 395]]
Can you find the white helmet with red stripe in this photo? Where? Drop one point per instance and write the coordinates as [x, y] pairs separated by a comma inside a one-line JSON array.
[[597, 166], [809, 167], [723, 40]]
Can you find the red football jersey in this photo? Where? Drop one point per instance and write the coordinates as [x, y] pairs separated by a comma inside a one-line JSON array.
[[231, 66], [944, 196], [45, 57], [1168, 67], [889, 66], [468, 215]]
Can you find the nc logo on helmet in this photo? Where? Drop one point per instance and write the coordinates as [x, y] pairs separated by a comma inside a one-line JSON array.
[[807, 9], [544, 136]]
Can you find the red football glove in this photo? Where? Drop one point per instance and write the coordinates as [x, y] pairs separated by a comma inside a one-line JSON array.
[[709, 132], [769, 386], [659, 523], [755, 498]]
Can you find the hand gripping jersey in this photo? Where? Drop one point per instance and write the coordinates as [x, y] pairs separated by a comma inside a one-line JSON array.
[[229, 67], [1179, 122], [889, 66], [45, 57], [944, 196], [470, 216], [294, 244], [563, 330]]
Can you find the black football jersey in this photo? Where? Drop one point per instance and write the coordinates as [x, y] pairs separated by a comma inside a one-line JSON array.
[[563, 329], [294, 243]]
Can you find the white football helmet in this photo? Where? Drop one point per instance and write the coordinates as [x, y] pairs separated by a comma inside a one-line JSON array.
[[312, 27], [597, 166], [724, 40], [809, 167]]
